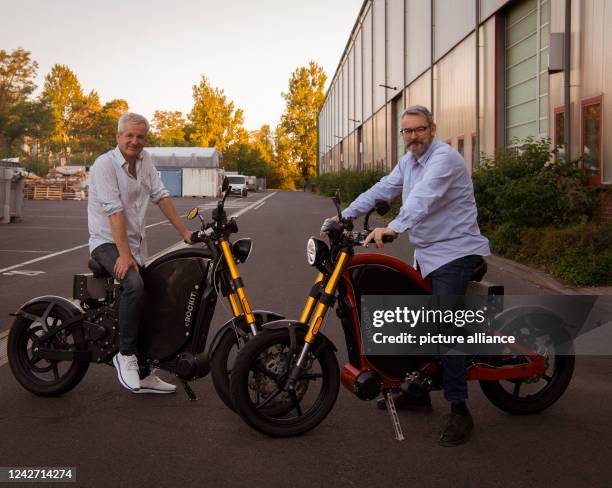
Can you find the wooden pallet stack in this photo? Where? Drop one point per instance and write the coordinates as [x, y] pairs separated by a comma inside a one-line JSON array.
[[56, 186], [48, 192]]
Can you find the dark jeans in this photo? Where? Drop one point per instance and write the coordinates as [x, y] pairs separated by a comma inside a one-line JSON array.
[[131, 303], [453, 279]]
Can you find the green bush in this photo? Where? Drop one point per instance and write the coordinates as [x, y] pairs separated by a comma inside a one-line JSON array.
[[351, 184], [581, 254], [524, 187]]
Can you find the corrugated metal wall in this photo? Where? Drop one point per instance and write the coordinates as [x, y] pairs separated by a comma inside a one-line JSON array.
[[390, 46]]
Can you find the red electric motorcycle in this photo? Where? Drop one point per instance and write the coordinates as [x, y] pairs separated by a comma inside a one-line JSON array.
[[294, 365]]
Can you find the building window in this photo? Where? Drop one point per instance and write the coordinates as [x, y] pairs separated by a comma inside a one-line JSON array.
[[461, 146], [591, 139], [526, 41]]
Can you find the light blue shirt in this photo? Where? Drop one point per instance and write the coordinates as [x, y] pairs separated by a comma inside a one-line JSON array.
[[113, 189], [438, 206]]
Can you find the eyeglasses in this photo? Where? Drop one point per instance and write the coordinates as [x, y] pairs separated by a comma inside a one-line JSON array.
[[417, 131]]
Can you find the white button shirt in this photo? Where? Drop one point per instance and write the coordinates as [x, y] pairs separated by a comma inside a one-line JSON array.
[[438, 206], [113, 189]]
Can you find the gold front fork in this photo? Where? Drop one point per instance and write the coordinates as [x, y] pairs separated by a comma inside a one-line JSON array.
[[238, 299], [330, 290], [310, 302]]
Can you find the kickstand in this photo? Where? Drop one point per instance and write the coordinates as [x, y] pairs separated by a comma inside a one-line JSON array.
[[397, 427], [192, 396]]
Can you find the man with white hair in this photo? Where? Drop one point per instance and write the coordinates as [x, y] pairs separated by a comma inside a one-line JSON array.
[[121, 183]]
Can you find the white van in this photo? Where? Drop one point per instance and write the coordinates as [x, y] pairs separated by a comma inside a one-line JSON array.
[[238, 185]]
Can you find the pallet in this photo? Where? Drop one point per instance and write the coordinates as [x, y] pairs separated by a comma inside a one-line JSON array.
[[48, 193]]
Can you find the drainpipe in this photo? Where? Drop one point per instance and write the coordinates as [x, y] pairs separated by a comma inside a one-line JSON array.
[[432, 57], [477, 86], [566, 77]]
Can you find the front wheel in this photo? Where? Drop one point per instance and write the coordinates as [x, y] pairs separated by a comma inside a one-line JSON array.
[[258, 382], [44, 377]]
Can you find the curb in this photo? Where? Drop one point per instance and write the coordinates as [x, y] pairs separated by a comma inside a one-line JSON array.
[[542, 278]]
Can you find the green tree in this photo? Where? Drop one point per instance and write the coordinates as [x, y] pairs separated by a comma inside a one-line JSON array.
[[18, 114], [169, 127], [214, 121], [296, 134], [64, 90]]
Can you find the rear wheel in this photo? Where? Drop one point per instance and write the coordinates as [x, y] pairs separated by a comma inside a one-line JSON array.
[[44, 377], [221, 365], [523, 396], [258, 384]]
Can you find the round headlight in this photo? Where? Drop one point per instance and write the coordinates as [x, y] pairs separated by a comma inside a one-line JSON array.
[[241, 249], [311, 251], [317, 251]]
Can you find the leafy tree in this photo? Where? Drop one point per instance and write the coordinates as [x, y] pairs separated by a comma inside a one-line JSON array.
[[64, 90], [214, 121], [297, 132], [19, 116], [169, 128]]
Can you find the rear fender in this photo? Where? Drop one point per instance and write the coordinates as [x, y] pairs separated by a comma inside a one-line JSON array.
[[238, 325], [52, 301]]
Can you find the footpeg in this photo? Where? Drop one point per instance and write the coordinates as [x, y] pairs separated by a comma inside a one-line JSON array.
[[190, 393], [397, 427]]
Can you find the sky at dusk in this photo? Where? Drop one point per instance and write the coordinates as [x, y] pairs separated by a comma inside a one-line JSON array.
[[152, 52]]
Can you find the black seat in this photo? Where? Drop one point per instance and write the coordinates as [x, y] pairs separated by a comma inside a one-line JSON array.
[[479, 271], [97, 269]]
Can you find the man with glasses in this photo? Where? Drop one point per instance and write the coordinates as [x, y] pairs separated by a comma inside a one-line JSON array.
[[439, 211]]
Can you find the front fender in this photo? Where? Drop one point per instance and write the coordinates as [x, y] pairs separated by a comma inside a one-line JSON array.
[[288, 324], [239, 324], [52, 301]]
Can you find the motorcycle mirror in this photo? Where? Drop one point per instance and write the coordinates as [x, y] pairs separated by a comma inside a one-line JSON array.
[[225, 185], [382, 207], [336, 200], [193, 213]]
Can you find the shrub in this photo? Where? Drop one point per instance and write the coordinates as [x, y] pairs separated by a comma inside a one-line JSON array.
[[581, 254], [351, 184], [524, 187]]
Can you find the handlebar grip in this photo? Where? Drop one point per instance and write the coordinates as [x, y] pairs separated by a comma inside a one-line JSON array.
[[195, 236], [388, 238]]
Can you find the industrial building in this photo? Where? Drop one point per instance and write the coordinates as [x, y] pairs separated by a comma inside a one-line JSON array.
[[490, 71], [189, 171]]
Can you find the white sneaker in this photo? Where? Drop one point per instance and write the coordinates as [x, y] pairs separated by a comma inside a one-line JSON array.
[[152, 384], [127, 371]]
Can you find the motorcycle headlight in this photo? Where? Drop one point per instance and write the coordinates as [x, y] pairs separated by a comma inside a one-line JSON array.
[[241, 249], [316, 251]]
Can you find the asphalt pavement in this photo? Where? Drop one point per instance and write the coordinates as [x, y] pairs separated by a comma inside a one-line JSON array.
[[115, 438]]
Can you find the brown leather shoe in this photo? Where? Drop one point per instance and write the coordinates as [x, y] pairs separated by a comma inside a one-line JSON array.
[[457, 430], [406, 400]]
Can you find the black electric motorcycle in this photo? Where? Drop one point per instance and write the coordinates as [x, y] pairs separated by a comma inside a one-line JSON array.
[[53, 341]]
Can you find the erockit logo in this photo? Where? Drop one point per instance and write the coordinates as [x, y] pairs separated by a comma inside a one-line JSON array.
[[190, 305]]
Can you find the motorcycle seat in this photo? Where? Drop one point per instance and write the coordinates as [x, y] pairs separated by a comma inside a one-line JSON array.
[[479, 271], [97, 269]]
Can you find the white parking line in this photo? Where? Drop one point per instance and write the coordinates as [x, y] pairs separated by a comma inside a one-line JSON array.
[[182, 245], [76, 248], [21, 250]]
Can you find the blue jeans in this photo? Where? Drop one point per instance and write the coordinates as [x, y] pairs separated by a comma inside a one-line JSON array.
[[452, 279], [131, 303]]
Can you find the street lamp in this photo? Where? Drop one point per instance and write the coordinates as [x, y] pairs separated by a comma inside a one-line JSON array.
[[389, 87]]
